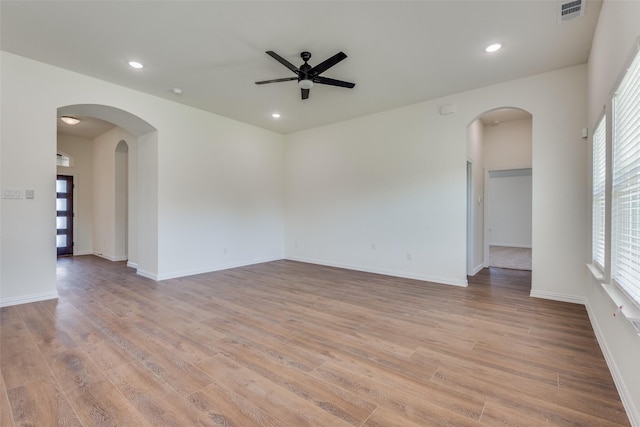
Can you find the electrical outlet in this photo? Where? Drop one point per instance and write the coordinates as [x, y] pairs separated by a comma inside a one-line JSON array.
[[409, 256]]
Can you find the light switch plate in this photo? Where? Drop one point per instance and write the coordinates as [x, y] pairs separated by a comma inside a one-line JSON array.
[[10, 193]]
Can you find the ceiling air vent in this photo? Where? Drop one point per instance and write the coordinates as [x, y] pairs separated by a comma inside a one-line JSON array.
[[571, 10]]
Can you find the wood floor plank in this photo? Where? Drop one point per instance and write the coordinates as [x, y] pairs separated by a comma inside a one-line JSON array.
[[9, 316], [41, 403], [500, 413], [285, 343], [41, 324], [103, 351], [75, 369], [335, 400], [382, 417], [101, 404], [272, 398], [463, 359], [226, 409], [183, 376], [157, 402], [581, 409], [21, 362], [404, 406], [6, 418], [404, 396]]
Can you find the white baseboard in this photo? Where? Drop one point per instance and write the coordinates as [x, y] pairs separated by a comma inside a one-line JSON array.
[[132, 264], [633, 412], [477, 269], [432, 279], [511, 245], [147, 274], [110, 258], [575, 299], [25, 299], [209, 269]]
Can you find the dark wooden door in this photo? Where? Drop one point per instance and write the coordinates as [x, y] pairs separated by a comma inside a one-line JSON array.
[[64, 215]]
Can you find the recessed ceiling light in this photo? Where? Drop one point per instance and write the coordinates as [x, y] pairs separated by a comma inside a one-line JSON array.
[[177, 91], [493, 48], [135, 64], [276, 115], [70, 120]]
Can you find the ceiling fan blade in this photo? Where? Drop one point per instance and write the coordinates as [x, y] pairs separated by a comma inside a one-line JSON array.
[[305, 93], [283, 61], [286, 79], [325, 65], [333, 82]]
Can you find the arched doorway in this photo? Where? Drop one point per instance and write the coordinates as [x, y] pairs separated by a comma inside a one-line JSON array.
[[129, 167], [499, 144]]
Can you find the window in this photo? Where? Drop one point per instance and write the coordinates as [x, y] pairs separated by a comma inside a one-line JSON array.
[[63, 160], [598, 196], [625, 202]]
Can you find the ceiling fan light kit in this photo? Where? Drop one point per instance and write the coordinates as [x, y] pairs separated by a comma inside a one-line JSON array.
[[305, 84], [307, 75], [70, 120]]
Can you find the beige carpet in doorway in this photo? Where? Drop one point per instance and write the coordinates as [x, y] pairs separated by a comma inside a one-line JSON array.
[[508, 257]]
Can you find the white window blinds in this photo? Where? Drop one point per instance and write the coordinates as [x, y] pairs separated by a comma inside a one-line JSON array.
[[625, 238], [598, 205]]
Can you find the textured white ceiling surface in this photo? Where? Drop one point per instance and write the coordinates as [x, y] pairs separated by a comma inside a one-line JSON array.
[[399, 52]]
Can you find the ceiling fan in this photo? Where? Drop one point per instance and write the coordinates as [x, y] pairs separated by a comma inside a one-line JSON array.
[[308, 75]]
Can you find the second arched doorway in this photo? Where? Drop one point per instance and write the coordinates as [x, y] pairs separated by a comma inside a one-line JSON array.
[[499, 151]]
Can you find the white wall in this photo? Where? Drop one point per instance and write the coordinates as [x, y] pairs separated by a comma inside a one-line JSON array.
[[475, 145], [109, 224], [121, 202], [508, 145], [221, 202], [397, 180], [81, 150], [206, 182], [509, 208], [615, 39]]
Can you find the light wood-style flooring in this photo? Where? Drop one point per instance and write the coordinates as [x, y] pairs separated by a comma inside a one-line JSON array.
[[292, 344]]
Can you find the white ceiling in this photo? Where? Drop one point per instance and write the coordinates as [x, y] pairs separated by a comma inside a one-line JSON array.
[[501, 115], [399, 52], [89, 127]]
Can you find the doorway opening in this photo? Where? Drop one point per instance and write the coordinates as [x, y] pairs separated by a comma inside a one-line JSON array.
[[64, 215], [509, 197], [499, 188], [114, 164]]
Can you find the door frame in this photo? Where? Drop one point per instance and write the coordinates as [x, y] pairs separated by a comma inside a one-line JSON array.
[[71, 217], [487, 233]]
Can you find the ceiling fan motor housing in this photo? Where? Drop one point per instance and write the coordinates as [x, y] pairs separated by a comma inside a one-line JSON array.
[[306, 75]]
